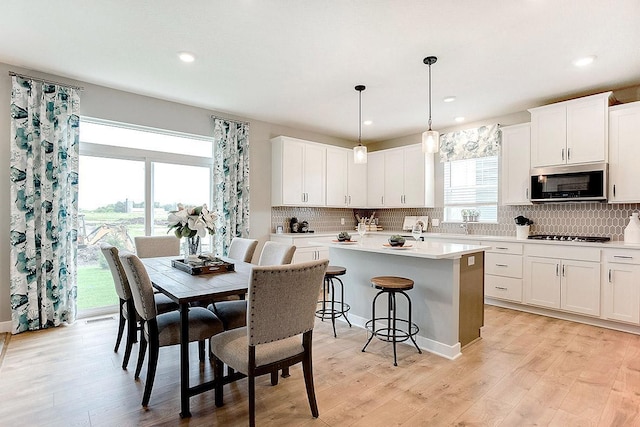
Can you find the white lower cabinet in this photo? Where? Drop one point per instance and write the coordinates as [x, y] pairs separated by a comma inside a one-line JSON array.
[[503, 271], [305, 251], [621, 286], [560, 283]]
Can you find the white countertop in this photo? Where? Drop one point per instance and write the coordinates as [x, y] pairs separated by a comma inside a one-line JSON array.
[[427, 249], [471, 237]]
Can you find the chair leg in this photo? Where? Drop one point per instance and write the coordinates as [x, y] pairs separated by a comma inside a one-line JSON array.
[[132, 331], [141, 352], [201, 350], [218, 367], [285, 372], [307, 369], [120, 328], [252, 400], [274, 377], [154, 349]]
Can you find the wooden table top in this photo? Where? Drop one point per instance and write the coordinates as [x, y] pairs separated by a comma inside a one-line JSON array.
[[183, 287]]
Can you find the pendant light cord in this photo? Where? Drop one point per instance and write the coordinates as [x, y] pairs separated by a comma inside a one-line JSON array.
[[360, 117], [429, 96]]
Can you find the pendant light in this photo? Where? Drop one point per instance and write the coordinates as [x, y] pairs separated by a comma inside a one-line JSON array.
[[360, 151], [430, 138]]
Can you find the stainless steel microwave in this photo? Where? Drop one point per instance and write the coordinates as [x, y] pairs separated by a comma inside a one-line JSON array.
[[572, 183]]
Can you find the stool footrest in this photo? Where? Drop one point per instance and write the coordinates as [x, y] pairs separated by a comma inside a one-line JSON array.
[[387, 333], [328, 313]]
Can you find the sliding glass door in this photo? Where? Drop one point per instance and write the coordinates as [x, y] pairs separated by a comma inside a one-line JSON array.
[[130, 178]]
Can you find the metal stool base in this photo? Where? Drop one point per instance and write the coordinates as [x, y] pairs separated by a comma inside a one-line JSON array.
[[337, 308]]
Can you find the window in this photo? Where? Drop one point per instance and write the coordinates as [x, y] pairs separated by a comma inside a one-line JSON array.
[[130, 177], [471, 185]]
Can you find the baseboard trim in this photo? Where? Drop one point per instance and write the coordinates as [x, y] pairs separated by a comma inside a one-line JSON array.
[[450, 352], [5, 326]]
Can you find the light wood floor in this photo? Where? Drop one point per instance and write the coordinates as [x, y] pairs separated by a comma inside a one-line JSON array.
[[527, 370]]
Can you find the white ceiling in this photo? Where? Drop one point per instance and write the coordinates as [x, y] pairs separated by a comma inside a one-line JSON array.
[[296, 62]]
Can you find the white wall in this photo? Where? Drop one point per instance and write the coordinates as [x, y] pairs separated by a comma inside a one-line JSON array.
[[105, 103]]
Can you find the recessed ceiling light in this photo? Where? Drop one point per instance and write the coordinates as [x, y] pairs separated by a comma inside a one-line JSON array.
[[459, 119], [449, 99], [582, 62], [367, 122], [186, 57]]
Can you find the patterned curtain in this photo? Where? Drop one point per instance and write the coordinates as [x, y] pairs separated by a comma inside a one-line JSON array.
[[471, 143], [230, 181], [44, 204]]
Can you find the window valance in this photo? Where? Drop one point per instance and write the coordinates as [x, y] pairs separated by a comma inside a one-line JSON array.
[[484, 141]]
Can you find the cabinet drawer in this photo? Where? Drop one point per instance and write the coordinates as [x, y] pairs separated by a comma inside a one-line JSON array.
[[622, 256], [504, 247], [561, 251], [506, 265], [507, 288]]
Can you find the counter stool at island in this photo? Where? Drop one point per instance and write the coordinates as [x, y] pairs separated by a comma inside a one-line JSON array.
[[393, 330], [337, 308]]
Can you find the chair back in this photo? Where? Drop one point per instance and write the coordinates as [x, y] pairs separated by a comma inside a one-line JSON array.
[[141, 287], [282, 300], [120, 281], [276, 254], [152, 246], [242, 249]]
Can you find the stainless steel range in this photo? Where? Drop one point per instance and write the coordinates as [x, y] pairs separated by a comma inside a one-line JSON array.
[[564, 238]]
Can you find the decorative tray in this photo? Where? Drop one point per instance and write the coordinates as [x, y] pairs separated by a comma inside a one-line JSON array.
[[205, 265]]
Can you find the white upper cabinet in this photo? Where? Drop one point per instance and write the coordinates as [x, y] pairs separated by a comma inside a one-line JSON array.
[[624, 150], [570, 132], [346, 181], [515, 161], [400, 177], [298, 172], [375, 179]]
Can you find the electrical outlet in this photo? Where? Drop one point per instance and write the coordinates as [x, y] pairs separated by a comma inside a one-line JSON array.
[[435, 222], [341, 221]]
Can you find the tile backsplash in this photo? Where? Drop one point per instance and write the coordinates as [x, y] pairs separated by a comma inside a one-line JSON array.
[[592, 219]]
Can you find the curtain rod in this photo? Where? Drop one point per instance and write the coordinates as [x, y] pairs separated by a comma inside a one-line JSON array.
[[242, 122], [37, 79]]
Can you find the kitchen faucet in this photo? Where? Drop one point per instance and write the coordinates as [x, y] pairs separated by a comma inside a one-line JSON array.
[[465, 227]]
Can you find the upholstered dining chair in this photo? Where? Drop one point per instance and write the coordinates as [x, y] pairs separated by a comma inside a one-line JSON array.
[[273, 341], [161, 330], [242, 249], [152, 246], [234, 313], [274, 253], [127, 311]]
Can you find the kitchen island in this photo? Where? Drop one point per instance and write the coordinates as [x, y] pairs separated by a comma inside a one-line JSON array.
[[448, 290]]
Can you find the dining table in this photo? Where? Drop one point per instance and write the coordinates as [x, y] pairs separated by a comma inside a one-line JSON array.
[[184, 289]]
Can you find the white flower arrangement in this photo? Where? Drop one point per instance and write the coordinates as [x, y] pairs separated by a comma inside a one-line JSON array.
[[192, 221]]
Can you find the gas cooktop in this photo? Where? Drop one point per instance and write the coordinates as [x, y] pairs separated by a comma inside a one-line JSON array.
[[563, 238]]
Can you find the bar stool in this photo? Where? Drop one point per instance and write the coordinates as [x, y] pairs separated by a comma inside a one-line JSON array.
[[396, 330], [338, 308]]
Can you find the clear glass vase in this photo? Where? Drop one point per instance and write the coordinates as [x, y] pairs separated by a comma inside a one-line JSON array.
[[191, 248]]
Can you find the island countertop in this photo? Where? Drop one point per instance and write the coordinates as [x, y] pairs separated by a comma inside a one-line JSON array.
[[427, 249]]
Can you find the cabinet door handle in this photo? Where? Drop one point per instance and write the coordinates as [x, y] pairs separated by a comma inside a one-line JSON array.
[[502, 248], [568, 153], [526, 193], [501, 288], [349, 199], [623, 257], [609, 275], [502, 265], [614, 190], [557, 269], [345, 199], [382, 200], [563, 275], [563, 154]]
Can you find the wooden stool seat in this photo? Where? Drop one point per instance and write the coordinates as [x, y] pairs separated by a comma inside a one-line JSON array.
[[335, 270], [392, 282]]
